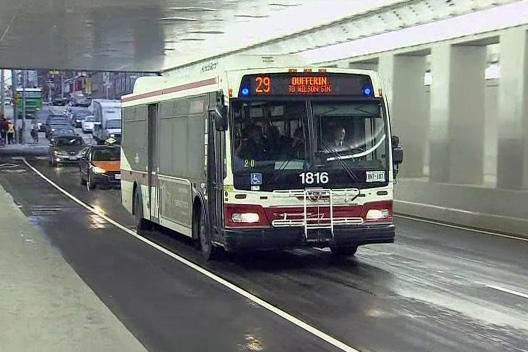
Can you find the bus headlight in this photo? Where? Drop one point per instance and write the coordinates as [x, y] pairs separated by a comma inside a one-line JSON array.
[[245, 217], [98, 170], [377, 214]]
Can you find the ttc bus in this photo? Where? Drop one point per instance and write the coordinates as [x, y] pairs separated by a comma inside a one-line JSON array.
[[256, 153]]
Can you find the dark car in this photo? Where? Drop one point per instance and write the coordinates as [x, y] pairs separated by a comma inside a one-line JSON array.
[[55, 125], [56, 119], [59, 102], [100, 164], [62, 131], [78, 117], [81, 101], [65, 149]]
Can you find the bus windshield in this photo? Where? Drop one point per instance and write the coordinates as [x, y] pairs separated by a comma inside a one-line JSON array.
[[315, 135], [350, 132], [269, 134]]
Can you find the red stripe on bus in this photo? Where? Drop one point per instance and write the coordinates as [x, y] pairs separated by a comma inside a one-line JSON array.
[[205, 82]]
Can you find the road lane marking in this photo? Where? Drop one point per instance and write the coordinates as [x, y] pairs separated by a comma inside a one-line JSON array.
[[8, 165], [461, 227], [516, 293], [7, 29], [299, 323]]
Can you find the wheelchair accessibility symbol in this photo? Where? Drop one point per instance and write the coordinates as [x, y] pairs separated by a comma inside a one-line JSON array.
[[256, 178]]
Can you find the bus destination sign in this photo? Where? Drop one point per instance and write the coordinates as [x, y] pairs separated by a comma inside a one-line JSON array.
[[310, 85], [284, 84]]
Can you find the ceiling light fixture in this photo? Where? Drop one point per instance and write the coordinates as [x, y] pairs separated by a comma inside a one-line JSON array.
[[179, 19]]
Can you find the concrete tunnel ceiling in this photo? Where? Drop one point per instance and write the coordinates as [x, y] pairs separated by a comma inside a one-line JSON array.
[[154, 35]]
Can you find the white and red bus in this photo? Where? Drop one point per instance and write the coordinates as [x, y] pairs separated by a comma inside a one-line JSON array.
[[254, 153]]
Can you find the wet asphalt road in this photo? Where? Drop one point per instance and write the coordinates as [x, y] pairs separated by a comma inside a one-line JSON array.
[[435, 289]]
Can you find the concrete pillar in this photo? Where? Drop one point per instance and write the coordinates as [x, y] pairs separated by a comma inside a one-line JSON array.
[[467, 115], [402, 81], [409, 111], [512, 153], [439, 114], [457, 114]]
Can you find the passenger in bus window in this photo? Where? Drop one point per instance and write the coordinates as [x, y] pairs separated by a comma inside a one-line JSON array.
[[253, 145], [273, 142], [297, 147]]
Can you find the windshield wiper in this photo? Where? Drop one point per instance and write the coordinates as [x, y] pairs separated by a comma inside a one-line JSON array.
[[350, 173], [280, 170]]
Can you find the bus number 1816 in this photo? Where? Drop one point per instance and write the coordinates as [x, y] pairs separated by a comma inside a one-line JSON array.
[[309, 178]]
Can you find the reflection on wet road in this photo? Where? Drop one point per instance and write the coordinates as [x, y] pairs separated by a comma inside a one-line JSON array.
[[435, 289]]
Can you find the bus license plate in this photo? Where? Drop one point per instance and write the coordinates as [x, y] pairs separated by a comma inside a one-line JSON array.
[[375, 176], [118, 176]]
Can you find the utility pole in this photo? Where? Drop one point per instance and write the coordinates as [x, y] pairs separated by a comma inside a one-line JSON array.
[[24, 75], [2, 92], [14, 83], [62, 83]]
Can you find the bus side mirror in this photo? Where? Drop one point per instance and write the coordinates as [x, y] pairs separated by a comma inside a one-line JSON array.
[[219, 116]]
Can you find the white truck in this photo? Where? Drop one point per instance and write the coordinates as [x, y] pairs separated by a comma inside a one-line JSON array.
[[107, 116]]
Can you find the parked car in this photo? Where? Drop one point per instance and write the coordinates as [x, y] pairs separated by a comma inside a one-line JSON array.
[[65, 149], [88, 124], [100, 164], [105, 111]]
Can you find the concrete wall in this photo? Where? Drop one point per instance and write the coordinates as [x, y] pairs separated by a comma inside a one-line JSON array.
[[465, 137]]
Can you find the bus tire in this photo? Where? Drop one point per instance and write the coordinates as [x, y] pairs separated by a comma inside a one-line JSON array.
[[140, 221], [207, 248], [344, 251]]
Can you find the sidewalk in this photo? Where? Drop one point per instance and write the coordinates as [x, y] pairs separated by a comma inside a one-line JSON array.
[[28, 148], [44, 305]]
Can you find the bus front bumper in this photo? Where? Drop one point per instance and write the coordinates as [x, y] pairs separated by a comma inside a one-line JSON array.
[[277, 238]]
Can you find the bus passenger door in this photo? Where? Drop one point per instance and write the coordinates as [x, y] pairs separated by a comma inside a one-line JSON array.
[[215, 171], [152, 168]]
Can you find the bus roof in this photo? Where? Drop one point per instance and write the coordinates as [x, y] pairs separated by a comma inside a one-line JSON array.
[[213, 67], [212, 72]]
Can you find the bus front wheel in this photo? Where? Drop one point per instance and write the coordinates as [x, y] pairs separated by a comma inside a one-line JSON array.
[[342, 251], [208, 249]]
